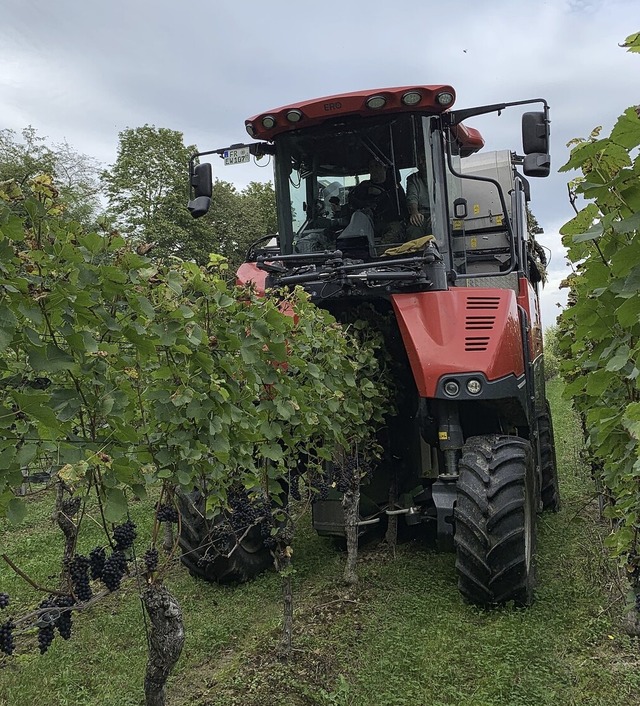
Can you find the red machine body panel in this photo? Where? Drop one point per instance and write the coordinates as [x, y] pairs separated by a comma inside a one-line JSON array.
[[267, 125], [248, 272], [461, 330], [528, 300]]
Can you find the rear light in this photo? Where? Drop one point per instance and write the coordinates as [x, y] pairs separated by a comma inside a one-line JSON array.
[[268, 122], [445, 98], [376, 102], [412, 97]]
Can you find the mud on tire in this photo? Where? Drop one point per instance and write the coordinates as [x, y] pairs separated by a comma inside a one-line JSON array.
[[209, 554], [495, 521]]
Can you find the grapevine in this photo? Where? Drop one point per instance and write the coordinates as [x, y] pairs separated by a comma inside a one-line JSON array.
[[600, 329]]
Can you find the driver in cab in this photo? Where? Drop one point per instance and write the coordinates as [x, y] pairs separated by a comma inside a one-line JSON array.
[[381, 199]]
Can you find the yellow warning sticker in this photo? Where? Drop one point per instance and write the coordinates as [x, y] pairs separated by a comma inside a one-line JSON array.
[[473, 242], [476, 209], [499, 220], [443, 436]]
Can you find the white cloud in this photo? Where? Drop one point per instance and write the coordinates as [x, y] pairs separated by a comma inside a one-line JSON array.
[[83, 71]]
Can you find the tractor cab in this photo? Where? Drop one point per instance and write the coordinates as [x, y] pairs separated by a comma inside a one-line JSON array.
[[381, 175]]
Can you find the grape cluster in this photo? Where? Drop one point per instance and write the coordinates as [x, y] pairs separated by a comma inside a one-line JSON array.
[[46, 625], [63, 623], [79, 571], [294, 486], [97, 557], [150, 559], [167, 513], [341, 476], [124, 535], [268, 539], [114, 569], [322, 484], [244, 510], [4, 600], [7, 644]]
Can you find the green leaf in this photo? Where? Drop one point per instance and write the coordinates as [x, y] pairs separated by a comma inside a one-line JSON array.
[[626, 131], [272, 451], [115, 506], [8, 325], [93, 242], [16, 511], [632, 42], [620, 359], [593, 233], [26, 453], [36, 406], [582, 222], [50, 359], [582, 153], [631, 286], [598, 382], [628, 314]]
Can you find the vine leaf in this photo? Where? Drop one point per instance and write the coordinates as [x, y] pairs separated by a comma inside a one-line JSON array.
[[632, 42], [626, 131], [16, 511]]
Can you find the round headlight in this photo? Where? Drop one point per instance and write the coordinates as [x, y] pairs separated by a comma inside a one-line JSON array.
[[474, 386], [250, 129], [294, 116], [268, 122], [376, 102], [412, 98], [451, 388], [445, 98]]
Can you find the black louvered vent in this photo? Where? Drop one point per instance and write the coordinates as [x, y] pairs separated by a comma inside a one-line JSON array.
[[476, 322]]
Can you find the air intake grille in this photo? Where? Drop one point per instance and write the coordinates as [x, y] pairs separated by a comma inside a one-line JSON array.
[[474, 303], [476, 322]]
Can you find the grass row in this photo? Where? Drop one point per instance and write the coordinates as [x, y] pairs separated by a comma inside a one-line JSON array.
[[402, 636]]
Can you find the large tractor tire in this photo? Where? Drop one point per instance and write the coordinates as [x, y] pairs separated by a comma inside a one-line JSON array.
[[209, 554], [495, 517], [549, 487]]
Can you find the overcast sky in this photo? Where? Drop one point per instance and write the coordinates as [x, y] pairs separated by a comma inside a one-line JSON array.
[[83, 70]]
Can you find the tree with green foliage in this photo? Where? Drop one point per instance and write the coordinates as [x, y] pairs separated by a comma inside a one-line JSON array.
[[147, 188], [147, 191], [75, 174], [239, 218], [600, 330]]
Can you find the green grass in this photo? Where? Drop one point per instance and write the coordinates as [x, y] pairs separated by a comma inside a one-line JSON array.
[[402, 636]]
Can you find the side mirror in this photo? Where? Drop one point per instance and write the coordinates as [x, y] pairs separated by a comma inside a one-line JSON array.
[[199, 206], [201, 180], [202, 185], [535, 133], [537, 165]]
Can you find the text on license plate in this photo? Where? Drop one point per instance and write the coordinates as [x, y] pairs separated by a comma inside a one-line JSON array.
[[237, 156]]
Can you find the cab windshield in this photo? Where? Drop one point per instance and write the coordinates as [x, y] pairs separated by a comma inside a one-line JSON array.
[[351, 186]]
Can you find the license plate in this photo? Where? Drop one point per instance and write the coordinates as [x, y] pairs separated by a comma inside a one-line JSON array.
[[237, 156]]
